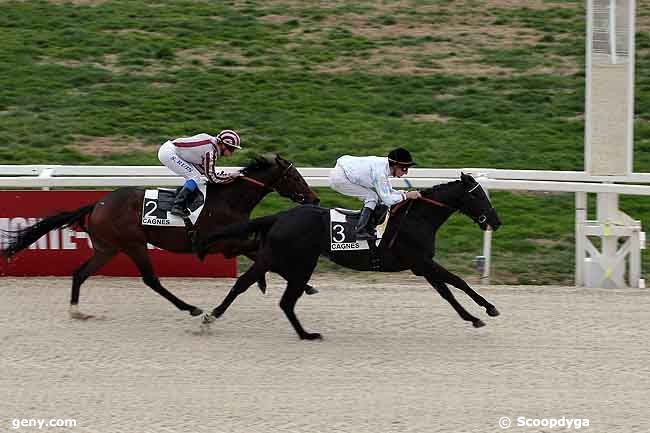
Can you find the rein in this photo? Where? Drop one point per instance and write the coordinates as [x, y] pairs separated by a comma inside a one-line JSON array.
[[425, 199], [297, 197], [399, 205], [273, 184], [253, 181], [434, 202], [399, 226]]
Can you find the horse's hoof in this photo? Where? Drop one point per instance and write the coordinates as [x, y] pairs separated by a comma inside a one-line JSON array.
[[309, 290], [208, 318], [196, 312], [81, 316], [216, 313], [492, 311], [78, 315], [478, 324], [311, 336]]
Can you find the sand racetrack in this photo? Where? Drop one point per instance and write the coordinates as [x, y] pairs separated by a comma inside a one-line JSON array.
[[395, 358]]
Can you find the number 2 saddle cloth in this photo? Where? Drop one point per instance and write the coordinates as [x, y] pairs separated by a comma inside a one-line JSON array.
[[158, 202]]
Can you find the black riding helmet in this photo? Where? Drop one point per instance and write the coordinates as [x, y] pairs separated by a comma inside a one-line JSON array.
[[400, 156]]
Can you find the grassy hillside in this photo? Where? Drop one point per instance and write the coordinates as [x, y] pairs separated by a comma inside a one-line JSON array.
[[496, 83]]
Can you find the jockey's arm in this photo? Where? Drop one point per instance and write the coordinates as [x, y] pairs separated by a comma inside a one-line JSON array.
[[385, 191], [212, 174]]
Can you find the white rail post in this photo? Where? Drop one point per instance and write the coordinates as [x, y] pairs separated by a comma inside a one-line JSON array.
[[487, 256], [46, 173], [607, 215], [484, 262], [634, 271], [580, 239]]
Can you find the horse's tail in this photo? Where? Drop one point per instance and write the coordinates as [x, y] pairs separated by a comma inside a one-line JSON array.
[[17, 240], [237, 231], [255, 226]]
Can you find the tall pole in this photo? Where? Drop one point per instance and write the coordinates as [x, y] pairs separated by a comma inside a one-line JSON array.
[[612, 30]]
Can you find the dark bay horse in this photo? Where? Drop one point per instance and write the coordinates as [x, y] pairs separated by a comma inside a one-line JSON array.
[[114, 224], [292, 241]]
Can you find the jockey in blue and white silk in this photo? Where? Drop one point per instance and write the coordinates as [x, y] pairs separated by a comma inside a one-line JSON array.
[[194, 156], [191, 157]]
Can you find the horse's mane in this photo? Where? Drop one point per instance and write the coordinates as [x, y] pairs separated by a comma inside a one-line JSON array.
[[442, 187], [258, 162]]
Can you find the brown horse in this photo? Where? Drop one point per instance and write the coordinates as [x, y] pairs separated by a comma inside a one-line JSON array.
[[114, 224]]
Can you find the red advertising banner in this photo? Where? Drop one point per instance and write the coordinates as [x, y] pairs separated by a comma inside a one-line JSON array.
[[62, 251]]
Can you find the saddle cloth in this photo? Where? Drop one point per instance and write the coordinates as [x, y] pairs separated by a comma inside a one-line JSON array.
[[158, 202], [342, 223]]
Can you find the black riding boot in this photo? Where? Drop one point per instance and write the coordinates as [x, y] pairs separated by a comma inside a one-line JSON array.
[[379, 215], [179, 208], [361, 231]]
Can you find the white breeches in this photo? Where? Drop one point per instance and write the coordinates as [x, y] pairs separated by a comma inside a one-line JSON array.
[[167, 155], [340, 183]]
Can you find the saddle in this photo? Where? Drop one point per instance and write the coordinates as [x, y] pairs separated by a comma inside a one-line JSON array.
[[349, 212], [158, 202]]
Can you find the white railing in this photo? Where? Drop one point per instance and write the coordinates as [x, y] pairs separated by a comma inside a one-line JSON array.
[[68, 176]]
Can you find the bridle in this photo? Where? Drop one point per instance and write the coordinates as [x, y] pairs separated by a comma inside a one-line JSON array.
[[273, 186], [481, 219]]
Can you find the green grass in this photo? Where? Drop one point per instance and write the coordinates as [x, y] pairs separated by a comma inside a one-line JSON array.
[[314, 83]]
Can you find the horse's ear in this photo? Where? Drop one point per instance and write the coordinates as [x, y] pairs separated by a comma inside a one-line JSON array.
[[467, 178], [280, 161]]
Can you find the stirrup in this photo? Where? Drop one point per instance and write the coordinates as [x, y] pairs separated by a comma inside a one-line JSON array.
[[180, 212], [365, 235]]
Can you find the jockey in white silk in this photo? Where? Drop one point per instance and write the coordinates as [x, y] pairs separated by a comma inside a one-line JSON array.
[[366, 178]]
